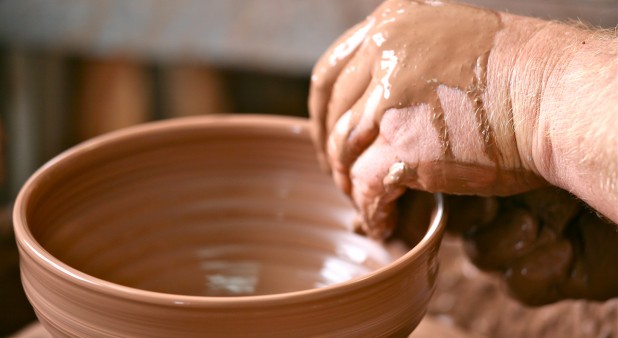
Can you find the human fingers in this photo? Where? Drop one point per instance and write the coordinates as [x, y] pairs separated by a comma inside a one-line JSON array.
[[376, 198], [581, 263], [415, 209], [497, 245], [468, 213], [386, 158], [349, 87], [351, 135], [325, 73], [375, 189], [594, 274], [537, 278], [548, 246], [534, 260]]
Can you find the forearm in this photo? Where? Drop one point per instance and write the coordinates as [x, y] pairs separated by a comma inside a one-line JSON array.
[[559, 86], [578, 118]]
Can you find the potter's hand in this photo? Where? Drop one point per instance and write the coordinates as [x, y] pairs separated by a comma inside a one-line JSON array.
[[545, 244], [446, 97], [401, 101]]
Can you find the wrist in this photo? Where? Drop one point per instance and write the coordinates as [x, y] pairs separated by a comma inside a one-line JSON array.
[[562, 87], [528, 57], [544, 59], [514, 85], [578, 116]]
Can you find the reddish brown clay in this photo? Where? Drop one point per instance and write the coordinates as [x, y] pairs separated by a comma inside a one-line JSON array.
[[217, 226]]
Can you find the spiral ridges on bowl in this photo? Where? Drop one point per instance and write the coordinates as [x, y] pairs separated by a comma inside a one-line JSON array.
[[216, 226]]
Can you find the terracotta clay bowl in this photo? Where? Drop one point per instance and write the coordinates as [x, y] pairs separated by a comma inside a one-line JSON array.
[[218, 226]]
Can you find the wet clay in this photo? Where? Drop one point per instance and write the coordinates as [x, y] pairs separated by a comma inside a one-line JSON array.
[[222, 216], [400, 57], [195, 225], [434, 176], [497, 314], [547, 244], [407, 74]]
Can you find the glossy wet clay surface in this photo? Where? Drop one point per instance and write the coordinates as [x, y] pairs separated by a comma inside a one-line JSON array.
[[222, 215], [400, 101], [210, 222]]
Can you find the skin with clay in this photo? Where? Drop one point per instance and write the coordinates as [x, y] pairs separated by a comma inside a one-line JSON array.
[[445, 97]]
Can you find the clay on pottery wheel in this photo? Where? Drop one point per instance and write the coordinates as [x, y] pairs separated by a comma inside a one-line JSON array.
[[218, 226]]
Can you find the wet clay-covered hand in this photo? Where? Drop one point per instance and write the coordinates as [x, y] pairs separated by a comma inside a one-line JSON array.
[[401, 101], [445, 97], [546, 244]]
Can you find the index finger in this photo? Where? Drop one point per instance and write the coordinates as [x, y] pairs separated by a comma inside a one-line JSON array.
[[325, 73]]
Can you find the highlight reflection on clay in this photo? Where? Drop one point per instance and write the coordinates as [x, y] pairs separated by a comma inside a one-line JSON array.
[[388, 96], [239, 219], [200, 224]]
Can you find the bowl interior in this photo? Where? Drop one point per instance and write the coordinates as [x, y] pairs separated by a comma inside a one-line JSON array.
[[209, 207]]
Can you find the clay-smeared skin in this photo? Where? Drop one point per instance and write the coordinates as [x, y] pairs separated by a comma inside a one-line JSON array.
[[546, 244], [379, 88], [401, 101]]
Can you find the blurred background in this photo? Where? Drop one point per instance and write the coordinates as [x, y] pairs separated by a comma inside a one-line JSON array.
[[71, 70]]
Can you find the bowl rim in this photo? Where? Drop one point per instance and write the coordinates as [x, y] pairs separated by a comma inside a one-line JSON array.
[[284, 125]]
